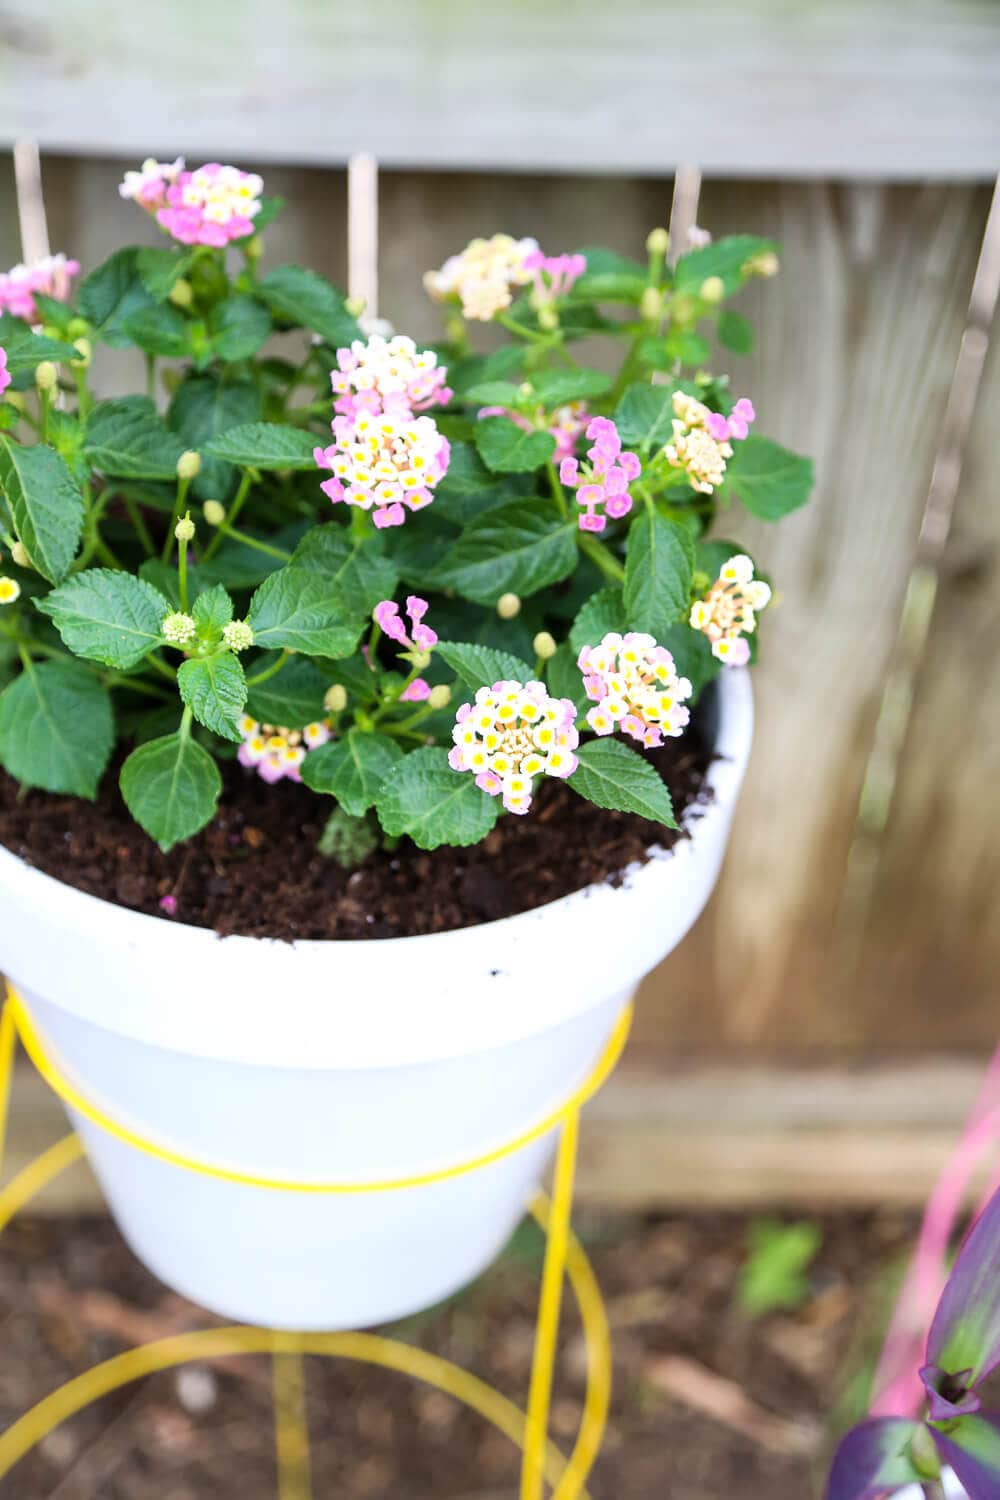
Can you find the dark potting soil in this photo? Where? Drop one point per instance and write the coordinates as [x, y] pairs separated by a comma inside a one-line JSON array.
[[256, 871]]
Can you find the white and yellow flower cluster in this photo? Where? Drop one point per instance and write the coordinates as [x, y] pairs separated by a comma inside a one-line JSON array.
[[512, 733], [277, 753], [634, 684], [701, 452], [388, 460], [728, 612], [382, 372], [482, 275]]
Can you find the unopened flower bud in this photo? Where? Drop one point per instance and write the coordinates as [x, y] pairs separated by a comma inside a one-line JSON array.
[[78, 328], [85, 350], [712, 289], [178, 629], [651, 304], [509, 606], [10, 591], [254, 248], [181, 293], [419, 659], [548, 318], [189, 464], [335, 700], [184, 530], [440, 696], [356, 306], [238, 635], [765, 264], [544, 645], [213, 512], [657, 242], [46, 376], [19, 554]]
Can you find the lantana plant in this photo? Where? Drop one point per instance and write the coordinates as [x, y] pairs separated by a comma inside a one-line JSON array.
[[417, 579]]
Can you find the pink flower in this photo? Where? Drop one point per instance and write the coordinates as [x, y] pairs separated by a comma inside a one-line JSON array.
[[210, 206], [728, 612], [5, 376], [604, 481], [51, 277], [276, 752], [554, 275], [389, 460], [383, 372], [635, 686], [416, 691], [512, 733], [168, 904], [421, 637], [565, 424]]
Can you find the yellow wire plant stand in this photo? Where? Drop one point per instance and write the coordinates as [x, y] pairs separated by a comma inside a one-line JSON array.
[[543, 1464]]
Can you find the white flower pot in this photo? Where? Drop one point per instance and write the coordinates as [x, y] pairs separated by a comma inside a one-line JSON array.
[[342, 1061]]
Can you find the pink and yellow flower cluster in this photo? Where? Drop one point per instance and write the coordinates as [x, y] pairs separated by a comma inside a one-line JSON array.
[[275, 752], [511, 734], [50, 276], [481, 277], [420, 639], [210, 206], [728, 612], [703, 439], [634, 684], [384, 457], [603, 481]]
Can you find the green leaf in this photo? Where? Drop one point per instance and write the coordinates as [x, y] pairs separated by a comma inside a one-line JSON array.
[[56, 728], [433, 805], [555, 387], [159, 329], [770, 480], [494, 393], [482, 666], [307, 300], [160, 269], [171, 787], [215, 690], [469, 489], [603, 613], [563, 675], [645, 416], [212, 612], [265, 445], [53, 314], [610, 775], [353, 769], [724, 258], [26, 350], [610, 277], [270, 207], [304, 611], [518, 548], [293, 696], [107, 616], [659, 561], [204, 407], [507, 449], [774, 1275], [358, 573], [111, 294], [735, 332], [128, 439], [692, 654], [47, 505], [239, 326]]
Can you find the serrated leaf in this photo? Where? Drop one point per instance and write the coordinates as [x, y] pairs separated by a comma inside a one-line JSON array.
[[215, 690], [107, 616], [724, 258], [493, 393], [128, 439], [508, 449], [469, 490], [26, 350], [610, 775], [304, 611], [482, 666], [265, 445], [307, 300], [563, 677], [603, 613], [56, 728], [160, 269], [353, 769], [692, 654], [735, 332], [359, 573], [293, 697], [433, 805], [238, 327], [203, 408], [555, 387], [645, 415], [159, 329], [518, 548], [659, 561], [171, 787], [212, 612], [111, 294], [770, 480], [47, 505]]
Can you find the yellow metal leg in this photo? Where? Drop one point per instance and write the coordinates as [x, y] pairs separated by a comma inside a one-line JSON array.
[[291, 1429]]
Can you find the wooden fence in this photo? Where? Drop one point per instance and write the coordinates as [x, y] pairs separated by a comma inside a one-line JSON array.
[[854, 923]]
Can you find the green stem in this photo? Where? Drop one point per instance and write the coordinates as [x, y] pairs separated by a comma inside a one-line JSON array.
[[598, 553], [162, 668], [43, 415], [184, 729], [238, 502], [182, 572], [557, 490], [251, 541], [151, 376], [523, 331], [139, 526], [271, 671], [82, 390], [175, 515], [630, 370], [136, 685]]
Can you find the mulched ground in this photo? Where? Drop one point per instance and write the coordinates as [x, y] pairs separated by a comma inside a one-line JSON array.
[[709, 1404]]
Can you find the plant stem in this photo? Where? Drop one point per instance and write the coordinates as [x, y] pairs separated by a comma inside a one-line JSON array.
[[251, 541], [82, 390], [598, 553], [43, 415], [557, 489], [151, 376], [185, 725], [523, 331], [182, 572], [139, 526], [162, 668], [136, 685], [271, 671], [234, 510], [175, 515]]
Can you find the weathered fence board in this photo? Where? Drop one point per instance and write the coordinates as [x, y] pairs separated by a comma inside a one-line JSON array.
[[866, 88]]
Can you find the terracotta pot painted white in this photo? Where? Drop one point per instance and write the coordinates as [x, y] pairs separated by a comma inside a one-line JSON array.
[[342, 1061]]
